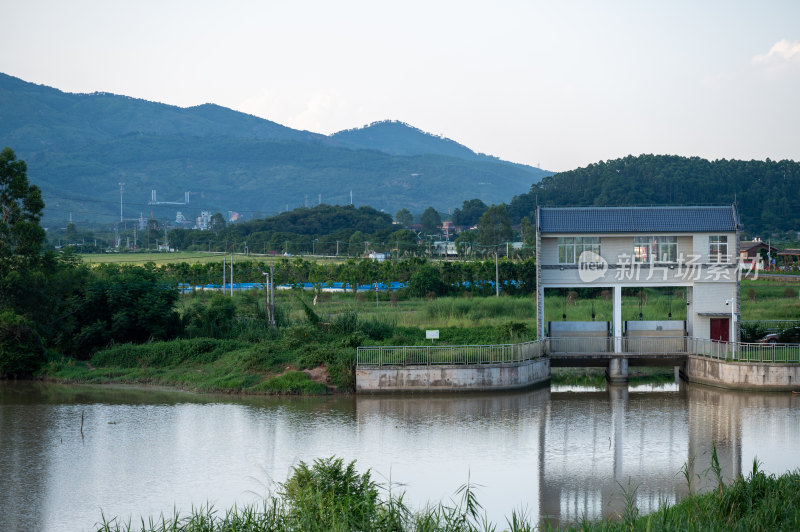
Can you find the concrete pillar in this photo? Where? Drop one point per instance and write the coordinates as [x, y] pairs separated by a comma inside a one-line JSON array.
[[540, 332], [618, 319], [689, 311], [617, 372]]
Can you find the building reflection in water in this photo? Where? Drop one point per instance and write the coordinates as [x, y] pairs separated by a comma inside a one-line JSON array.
[[594, 446], [560, 452]]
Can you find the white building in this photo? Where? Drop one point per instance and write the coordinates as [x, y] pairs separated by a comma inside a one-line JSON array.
[[695, 248]]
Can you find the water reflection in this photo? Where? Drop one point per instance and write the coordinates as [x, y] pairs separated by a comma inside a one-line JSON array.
[[562, 453]]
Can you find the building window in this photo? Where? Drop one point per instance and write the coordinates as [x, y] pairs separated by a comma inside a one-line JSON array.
[[718, 249], [571, 248], [655, 248]]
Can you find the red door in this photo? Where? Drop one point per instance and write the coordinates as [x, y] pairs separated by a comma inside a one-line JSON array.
[[720, 329]]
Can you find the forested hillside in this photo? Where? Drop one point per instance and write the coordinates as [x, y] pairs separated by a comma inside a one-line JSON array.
[[767, 192], [327, 229], [79, 147]]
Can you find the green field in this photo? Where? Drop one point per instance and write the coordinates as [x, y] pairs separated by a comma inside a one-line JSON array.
[[189, 257]]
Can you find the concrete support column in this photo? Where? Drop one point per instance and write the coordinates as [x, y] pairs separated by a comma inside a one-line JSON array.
[[689, 311], [617, 372], [618, 320], [540, 326]]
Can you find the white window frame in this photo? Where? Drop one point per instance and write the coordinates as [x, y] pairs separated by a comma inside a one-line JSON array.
[[718, 249], [655, 248], [570, 248]]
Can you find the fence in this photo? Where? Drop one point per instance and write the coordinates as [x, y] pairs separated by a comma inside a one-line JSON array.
[[450, 354], [747, 352], [640, 345]]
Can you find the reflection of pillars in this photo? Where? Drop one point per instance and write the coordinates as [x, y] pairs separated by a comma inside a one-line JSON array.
[[618, 319], [549, 496], [736, 444], [617, 372], [618, 396]]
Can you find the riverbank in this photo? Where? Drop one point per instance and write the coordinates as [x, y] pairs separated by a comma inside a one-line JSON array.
[[228, 347], [308, 358], [330, 495]]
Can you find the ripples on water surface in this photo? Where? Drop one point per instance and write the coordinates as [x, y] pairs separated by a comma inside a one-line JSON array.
[[558, 452]]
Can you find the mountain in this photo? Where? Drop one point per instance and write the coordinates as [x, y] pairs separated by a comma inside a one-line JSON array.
[[765, 191], [398, 138], [78, 147]]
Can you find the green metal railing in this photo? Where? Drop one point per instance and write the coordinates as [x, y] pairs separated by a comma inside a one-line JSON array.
[[427, 355], [747, 352], [448, 354]]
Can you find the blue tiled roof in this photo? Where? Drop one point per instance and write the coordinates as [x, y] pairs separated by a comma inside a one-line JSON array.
[[686, 219]]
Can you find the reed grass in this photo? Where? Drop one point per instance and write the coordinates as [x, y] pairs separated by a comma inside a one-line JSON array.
[[330, 495]]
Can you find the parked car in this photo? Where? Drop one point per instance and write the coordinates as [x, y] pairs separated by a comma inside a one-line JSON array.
[[771, 338], [786, 336]]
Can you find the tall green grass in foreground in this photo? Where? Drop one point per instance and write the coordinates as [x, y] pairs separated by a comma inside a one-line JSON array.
[[332, 496]]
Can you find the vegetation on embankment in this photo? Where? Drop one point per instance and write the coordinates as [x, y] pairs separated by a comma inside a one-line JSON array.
[[227, 345], [224, 344], [331, 496]]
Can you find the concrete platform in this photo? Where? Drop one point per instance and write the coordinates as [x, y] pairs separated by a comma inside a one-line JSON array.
[[443, 378], [742, 375]]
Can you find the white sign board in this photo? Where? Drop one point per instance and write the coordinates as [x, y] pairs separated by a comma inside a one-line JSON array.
[[432, 335]]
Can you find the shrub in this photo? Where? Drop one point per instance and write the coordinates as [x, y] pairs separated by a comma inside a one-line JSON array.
[[376, 329], [425, 279], [330, 496], [21, 348], [513, 330], [214, 320], [752, 332], [299, 335], [342, 369]]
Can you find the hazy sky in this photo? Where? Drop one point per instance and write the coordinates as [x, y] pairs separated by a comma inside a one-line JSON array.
[[559, 84]]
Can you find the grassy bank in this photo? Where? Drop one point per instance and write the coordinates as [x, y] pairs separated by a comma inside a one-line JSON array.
[[228, 346], [332, 496]]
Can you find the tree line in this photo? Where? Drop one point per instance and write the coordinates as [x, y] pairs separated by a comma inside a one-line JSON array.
[[765, 192]]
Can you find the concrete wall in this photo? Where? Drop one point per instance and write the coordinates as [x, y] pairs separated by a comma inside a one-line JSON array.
[[742, 375], [467, 378]]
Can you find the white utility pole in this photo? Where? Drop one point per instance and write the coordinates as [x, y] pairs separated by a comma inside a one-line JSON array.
[[496, 275], [121, 188]]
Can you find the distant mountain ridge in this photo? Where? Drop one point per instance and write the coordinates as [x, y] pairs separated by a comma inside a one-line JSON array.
[[80, 146], [399, 138]]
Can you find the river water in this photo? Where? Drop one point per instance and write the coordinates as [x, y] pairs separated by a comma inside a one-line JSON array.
[[559, 452]]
